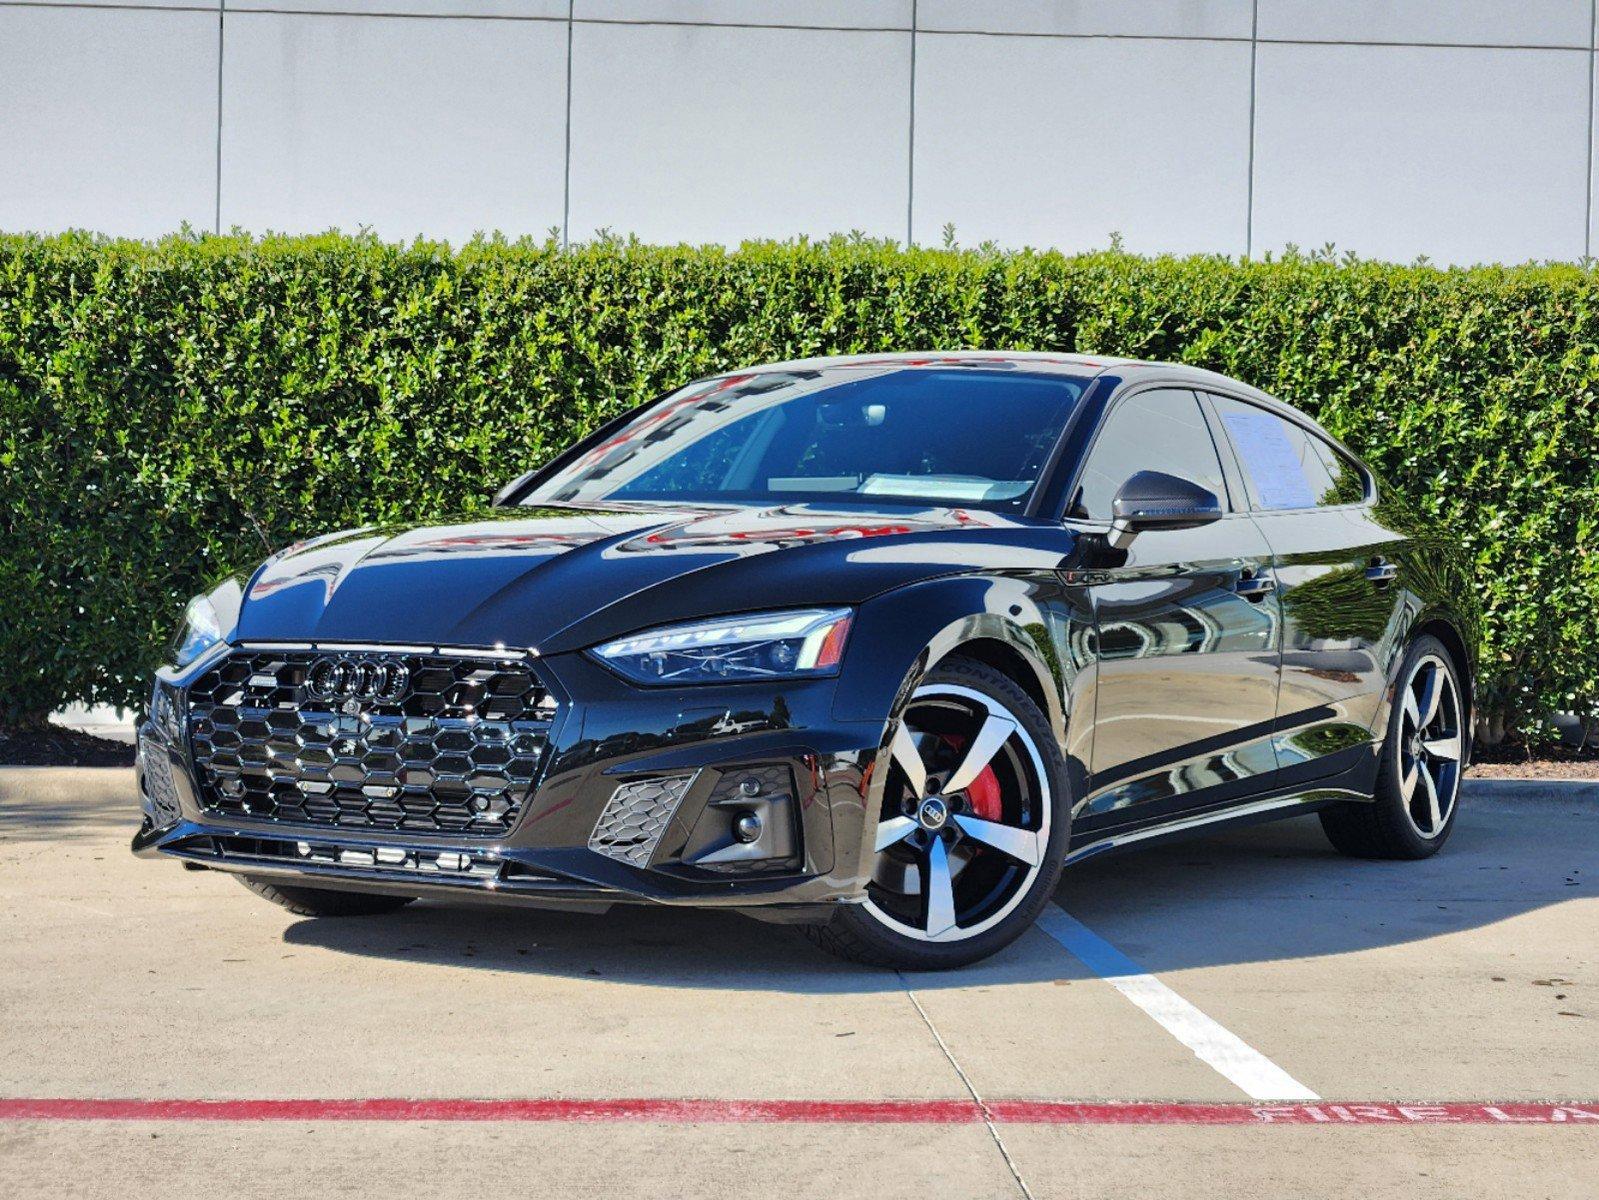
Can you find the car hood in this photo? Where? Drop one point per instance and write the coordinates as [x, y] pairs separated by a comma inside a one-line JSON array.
[[562, 578]]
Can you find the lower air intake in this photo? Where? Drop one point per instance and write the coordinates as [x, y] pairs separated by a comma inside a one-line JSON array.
[[160, 790], [636, 816]]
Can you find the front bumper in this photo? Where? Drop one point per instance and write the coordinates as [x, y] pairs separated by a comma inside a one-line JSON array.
[[684, 763]]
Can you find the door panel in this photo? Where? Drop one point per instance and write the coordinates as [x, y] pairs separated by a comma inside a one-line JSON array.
[[1187, 678], [1339, 623], [1337, 628]]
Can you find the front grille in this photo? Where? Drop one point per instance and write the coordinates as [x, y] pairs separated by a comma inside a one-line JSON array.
[[418, 742]]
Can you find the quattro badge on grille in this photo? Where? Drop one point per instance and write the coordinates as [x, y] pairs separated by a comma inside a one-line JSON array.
[[357, 679]]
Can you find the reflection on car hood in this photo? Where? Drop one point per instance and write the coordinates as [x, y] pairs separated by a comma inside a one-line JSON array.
[[561, 578]]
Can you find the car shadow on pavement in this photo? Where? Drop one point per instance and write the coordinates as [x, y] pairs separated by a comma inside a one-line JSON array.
[[1280, 891], [1259, 894], [648, 945]]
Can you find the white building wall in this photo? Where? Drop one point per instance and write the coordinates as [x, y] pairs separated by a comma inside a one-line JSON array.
[[1458, 129]]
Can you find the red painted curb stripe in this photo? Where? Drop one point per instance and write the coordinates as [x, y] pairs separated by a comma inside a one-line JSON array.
[[669, 1111], [868, 1112]]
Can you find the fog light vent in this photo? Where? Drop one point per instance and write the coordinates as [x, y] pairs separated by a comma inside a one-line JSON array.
[[636, 816], [748, 823]]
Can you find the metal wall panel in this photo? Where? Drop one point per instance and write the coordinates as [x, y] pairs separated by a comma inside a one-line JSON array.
[[1390, 127], [1463, 155], [1457, 22], [1063, 141], [409, 127], [107, 119], [720, 133]]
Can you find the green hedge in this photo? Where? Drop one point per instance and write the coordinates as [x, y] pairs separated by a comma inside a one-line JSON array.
[[170, 411]]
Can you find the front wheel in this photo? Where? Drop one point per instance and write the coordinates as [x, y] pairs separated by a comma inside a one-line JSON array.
[[1418, 776], [973, 830]]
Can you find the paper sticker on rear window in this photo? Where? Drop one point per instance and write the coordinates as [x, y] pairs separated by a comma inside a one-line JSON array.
[[1271, 458]]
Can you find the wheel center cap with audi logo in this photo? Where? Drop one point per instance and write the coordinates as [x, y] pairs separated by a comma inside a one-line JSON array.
[[933, 814]]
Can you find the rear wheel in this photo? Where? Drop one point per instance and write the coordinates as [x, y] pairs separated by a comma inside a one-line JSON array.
[[323, 902], [973, 828], [1418, 777]]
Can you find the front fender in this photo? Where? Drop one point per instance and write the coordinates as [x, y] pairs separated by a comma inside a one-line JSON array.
[[900, 635]]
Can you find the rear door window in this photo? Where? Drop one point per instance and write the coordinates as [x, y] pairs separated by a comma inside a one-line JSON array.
[[1285, 465]]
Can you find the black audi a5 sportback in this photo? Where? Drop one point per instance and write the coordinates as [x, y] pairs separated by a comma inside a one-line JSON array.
[[873, 645]]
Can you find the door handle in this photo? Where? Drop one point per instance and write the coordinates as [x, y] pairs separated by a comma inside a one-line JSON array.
[[1253, 587], [1382, 571]]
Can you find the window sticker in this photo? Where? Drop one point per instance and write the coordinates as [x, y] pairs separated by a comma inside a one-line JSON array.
[[952, 487], [1271, 460]]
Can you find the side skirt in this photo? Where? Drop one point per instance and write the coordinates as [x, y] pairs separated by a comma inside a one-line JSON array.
[[1291, 801]]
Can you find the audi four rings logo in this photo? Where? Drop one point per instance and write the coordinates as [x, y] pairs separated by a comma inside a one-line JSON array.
[[357, 679]]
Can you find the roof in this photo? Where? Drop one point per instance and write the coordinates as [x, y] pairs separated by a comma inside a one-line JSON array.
[[1040, 361], [1033, 361]]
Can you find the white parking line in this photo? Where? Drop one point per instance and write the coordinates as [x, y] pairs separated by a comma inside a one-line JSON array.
[[1247, 1068]]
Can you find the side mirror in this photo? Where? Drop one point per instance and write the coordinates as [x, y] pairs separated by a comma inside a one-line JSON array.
[[1156, 500]]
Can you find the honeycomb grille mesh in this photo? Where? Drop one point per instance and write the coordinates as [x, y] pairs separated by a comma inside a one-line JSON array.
[[159, 785], [453, 748], [636, 816]]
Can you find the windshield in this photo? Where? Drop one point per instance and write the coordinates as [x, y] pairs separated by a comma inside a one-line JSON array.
[[884, 433]]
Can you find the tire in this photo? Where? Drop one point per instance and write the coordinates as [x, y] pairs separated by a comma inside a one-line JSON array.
[[1414, 821], [947, 891], [324, 902]]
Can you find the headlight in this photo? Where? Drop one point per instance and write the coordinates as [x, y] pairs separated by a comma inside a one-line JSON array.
[[780, 645], [207, 621]]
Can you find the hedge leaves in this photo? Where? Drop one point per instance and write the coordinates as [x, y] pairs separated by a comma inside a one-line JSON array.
[[171, 411]]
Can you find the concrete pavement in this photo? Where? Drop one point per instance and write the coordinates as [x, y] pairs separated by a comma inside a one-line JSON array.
[[1472, 977]]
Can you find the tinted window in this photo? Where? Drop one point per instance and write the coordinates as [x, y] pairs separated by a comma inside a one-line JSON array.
[[1349, 480], [888, 433], [1161, 430], [1285, 464]]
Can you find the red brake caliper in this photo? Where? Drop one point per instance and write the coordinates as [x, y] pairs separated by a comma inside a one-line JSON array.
[[983, 794]]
